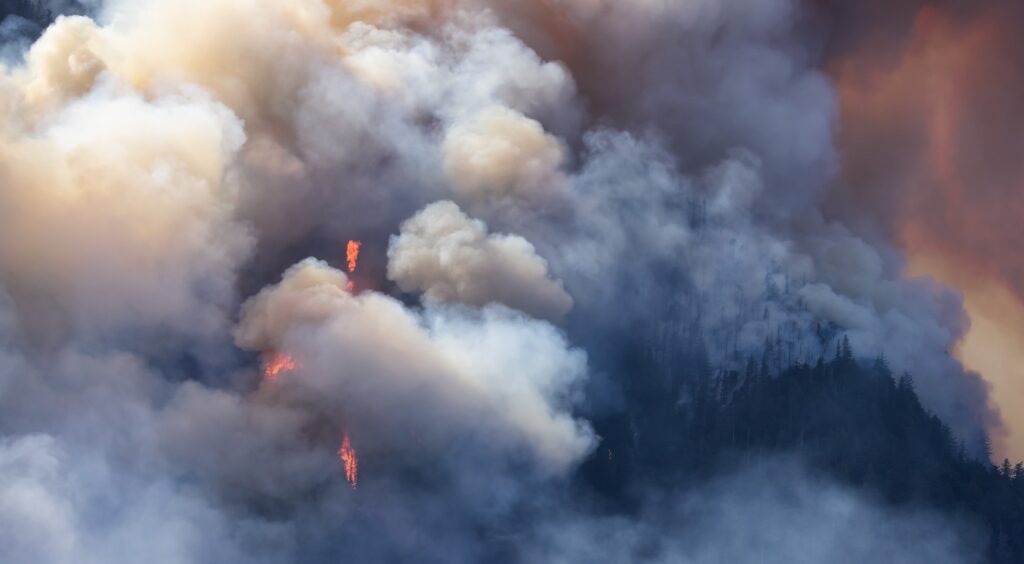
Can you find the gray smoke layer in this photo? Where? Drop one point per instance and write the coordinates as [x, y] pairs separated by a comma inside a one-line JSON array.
[[522, 175], [769, 513]]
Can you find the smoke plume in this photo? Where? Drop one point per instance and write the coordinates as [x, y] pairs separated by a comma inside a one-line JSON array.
[[451, 258], [929, 130], [541, 189]]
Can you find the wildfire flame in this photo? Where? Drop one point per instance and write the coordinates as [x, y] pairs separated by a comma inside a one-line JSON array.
[[352, 254], [278, 364], [347, 454]]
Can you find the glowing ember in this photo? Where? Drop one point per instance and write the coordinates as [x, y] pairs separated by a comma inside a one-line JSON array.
[[347, 454], [352, 254], [278, 364]]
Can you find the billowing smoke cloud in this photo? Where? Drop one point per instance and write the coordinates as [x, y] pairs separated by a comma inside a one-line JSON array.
[[500, 153], [101, 217], [451, 258], [163, 162], [930, 124], [389, 372]]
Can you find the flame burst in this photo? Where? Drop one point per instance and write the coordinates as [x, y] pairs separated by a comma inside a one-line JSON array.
[[347, 454], [352, 255], [278, 364]]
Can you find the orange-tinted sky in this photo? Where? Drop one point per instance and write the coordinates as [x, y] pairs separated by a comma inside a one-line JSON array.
[[932, 138]]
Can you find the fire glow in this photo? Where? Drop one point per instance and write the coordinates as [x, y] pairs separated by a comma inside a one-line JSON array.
[[347, 454], [277, 364], [352, 256]]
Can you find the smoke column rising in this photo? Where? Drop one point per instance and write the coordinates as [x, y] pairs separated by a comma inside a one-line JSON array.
[[931, 131], [539, 188]]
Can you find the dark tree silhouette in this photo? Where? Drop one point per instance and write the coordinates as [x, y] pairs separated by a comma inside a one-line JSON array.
[[851, 421]]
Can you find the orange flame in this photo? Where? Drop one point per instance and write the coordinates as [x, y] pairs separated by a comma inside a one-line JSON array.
[[352, 254], [278, 364], [347, 454]]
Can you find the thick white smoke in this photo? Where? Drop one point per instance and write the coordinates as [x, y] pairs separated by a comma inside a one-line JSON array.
[[501, 153], [441, 378], [535, 171], [108, 227], [451, 258]]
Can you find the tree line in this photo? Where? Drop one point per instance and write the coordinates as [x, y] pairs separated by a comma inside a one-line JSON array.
[[851, 420]]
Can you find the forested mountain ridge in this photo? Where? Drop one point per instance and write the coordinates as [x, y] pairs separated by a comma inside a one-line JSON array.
[[851, 420]]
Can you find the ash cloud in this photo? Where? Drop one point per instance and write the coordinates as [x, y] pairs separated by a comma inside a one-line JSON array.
[[168, 166]]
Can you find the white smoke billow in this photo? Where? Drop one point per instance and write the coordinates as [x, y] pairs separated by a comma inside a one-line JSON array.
[[529, 172], [392, 374], [500, 153], [451, 258]]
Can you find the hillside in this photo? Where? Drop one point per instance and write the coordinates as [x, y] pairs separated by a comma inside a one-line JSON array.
[[852, 421]]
